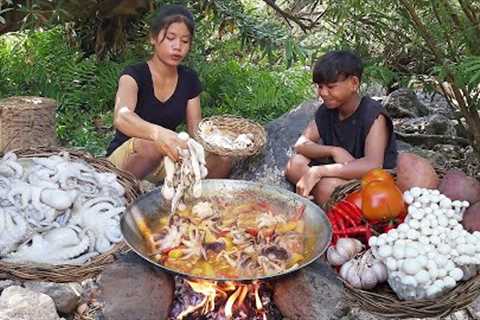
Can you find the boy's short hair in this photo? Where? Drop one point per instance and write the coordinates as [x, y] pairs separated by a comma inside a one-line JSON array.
[[337, 64]]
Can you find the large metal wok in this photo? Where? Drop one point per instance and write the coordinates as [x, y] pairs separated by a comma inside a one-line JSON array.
[[152, 206]]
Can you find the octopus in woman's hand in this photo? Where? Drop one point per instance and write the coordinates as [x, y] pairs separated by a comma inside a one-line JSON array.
[[184, 176]]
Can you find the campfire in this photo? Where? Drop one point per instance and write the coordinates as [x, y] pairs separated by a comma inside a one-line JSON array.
[[222, 300]]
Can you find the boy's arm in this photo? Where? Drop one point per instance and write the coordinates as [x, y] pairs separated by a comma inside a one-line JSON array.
[[375, 145], [309, 143]]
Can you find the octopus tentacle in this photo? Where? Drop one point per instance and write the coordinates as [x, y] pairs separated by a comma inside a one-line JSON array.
[[57, 246]]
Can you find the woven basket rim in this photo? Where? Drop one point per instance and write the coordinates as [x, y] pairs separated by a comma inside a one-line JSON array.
[[385, 302], [66, 272], [45, 102], [239, 125]]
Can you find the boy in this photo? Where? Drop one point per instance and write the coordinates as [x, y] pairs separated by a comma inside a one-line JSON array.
[[349, 136]]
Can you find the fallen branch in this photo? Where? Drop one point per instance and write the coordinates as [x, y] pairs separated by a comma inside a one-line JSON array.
[[431, 139]]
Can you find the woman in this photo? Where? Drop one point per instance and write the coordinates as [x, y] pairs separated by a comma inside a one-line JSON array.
[[154, 97]]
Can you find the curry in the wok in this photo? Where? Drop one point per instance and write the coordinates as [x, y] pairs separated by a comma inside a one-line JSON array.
[[250, 238]]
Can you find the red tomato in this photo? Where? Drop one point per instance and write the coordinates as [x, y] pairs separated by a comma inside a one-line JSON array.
[[382, 200], [376, 175]]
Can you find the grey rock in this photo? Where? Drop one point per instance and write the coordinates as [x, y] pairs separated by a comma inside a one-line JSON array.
[[474, 308], [374, 89], [268, 166], [403, 103], [135, 291], [441, 125], [403, 146], [17, 303], [65, 295], [313, 293], [435, 103], [8, 283]]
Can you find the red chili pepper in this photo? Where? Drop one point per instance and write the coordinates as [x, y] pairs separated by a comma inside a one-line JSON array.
[[252, 231], [368, 233], [334, 239], [354, 211], [358, 229], [333, 220], [389, 226], [341, 225], [344, 214]]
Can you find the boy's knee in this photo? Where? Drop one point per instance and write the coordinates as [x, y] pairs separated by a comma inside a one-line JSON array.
[[324, 189], [297, 162]]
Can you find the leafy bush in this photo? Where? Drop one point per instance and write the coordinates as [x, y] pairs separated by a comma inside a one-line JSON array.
[[251, 91]]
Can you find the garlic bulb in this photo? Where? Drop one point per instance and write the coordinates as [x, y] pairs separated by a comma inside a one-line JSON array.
[[344, 250], [364, 272]]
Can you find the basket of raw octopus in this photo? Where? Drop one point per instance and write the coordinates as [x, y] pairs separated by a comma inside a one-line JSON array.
[[59, 214], [230, 135], [405, 245]]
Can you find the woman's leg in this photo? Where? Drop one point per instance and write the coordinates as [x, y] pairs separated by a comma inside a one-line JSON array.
[[144, 158], [296, 167], [218, 166]]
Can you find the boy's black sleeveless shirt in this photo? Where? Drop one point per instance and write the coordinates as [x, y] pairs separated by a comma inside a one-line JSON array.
[[168, 114], [351, 133]]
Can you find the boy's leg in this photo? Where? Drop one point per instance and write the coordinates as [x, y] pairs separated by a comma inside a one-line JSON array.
[[296, 167], [218, 166], [323, 190], [137, 156]]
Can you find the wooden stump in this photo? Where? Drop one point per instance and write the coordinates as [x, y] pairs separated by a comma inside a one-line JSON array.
[[27, 122]]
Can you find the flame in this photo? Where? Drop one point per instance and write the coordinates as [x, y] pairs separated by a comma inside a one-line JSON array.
[[233, 294]]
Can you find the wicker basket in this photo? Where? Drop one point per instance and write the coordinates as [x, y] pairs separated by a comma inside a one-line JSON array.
[[27, 122], [69, 273], [232, 126], [384, 302]]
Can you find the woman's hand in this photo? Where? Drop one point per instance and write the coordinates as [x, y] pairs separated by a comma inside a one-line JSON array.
[[168, 142], [308, 181]]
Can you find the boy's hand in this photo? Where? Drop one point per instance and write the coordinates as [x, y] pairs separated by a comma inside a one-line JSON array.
[[308, 181]]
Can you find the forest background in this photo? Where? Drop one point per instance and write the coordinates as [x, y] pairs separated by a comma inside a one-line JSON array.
[[254, 57]]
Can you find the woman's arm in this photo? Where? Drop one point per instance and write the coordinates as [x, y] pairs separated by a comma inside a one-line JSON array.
[[194, 115], [128, 122]]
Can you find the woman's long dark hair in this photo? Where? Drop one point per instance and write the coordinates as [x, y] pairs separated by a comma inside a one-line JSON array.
[[169, 14]]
